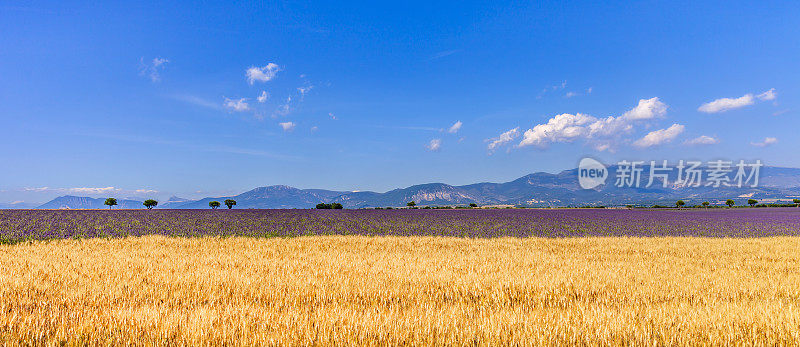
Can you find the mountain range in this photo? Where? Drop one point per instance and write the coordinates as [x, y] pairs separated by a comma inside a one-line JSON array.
[[539, 189]]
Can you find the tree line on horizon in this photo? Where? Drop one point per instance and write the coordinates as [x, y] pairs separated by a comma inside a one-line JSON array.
[[150, 204]]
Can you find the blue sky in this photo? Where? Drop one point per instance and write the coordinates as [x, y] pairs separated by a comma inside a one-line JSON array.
[[125, 99]]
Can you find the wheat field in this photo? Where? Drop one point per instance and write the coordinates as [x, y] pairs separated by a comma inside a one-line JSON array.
[[401, 290]]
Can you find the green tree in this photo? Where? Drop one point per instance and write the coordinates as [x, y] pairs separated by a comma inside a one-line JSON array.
[[230, 203], [473, 205], [110, 202], [752, 202], [214, 204], [411, 204], [796, 201], [150, 203], [336, 206], [680, 203], [706, 203], [323, 206], [730, 202]]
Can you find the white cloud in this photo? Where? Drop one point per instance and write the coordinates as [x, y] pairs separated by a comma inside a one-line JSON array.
[[778, 113], [287, 126], [284, 108], [263, 97], [504, 138], [238, 105], [726, 104], [455, 127], [153, 68], [443, 54], [304, 90], [262, 74], [567, 127], [768, 95], [647, 109], [601, 133], [194, 100], [702, 140], [571, 94], [314, 129], [38, 189], [767, 141], [434, 145], [90, 190], [561, 128], [659, 137], [610, 126]]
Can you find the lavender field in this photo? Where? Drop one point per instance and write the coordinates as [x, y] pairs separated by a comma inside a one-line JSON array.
[[23, 225]]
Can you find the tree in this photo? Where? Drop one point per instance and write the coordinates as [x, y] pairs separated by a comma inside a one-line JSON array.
[[150, 203], [752, 202], [796, 201], [411, 204], [706, 203], [213, 204], [230, 203], [730, 202], [335, 206], [680, 203], [110, 202]]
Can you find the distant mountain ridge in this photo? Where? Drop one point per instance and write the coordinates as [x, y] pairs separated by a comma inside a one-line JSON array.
[[79, 202], [535, 190]]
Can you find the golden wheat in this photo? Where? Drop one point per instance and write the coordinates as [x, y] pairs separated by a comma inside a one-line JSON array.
[[391, 290]]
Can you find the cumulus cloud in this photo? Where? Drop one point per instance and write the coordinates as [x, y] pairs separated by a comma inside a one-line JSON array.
[[647, 109], [455, 127], [768, 95], [600, 131], [434, 145], [702, 140], [659, 137], [726, 104], [263, 97], [152, 68], [767, 141], [561, 128], [504, 138], [238, 105], [287, 126], [262, 74]]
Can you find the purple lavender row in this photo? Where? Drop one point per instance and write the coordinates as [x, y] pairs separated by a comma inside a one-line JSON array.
[[21, 225]]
